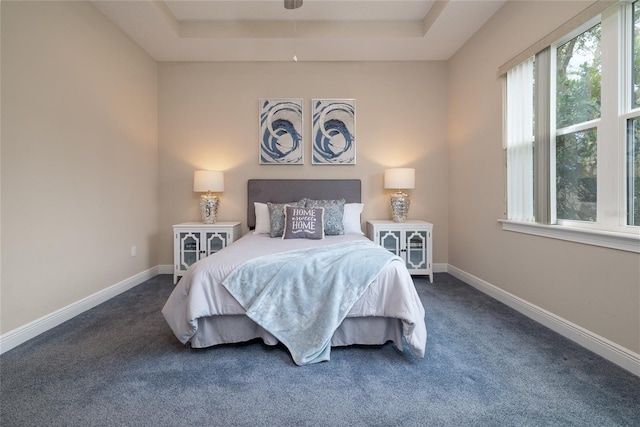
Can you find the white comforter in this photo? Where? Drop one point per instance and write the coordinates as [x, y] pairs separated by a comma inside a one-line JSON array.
[[200, 294]]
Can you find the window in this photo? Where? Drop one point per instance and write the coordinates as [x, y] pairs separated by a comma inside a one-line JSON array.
[[585, 150], [633, 125], [578, 75], [633, 172]]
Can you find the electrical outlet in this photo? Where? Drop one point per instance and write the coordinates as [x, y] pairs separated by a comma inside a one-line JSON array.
[[133, 251]]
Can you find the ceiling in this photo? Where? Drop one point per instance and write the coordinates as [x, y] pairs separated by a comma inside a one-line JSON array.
[[320, 30]]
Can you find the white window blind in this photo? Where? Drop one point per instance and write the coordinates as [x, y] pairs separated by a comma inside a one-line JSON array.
[[519, 141]]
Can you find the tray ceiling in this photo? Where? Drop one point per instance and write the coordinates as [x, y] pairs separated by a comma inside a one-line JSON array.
[[320, 30]]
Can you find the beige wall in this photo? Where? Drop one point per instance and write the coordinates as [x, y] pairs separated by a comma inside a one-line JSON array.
[[79, 157], [208, 115], [596, 288]]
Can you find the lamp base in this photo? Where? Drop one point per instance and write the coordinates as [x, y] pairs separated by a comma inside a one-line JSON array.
[[209, 208], [400, 203]]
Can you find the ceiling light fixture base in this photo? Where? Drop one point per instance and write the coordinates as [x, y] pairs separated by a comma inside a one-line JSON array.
[[292, 4]]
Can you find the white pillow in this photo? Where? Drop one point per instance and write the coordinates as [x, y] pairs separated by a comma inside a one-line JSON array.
[[351, 218], [263, 222]]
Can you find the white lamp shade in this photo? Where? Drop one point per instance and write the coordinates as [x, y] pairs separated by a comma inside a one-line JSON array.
[[399, 178], [212, 181]]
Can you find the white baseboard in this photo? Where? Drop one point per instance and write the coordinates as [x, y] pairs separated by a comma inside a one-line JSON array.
[[24, 333], [165, 269], [440, 267], [611, 351]]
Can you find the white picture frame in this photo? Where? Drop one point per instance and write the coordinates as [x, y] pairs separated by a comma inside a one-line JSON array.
[[333, 131], [281, 131]]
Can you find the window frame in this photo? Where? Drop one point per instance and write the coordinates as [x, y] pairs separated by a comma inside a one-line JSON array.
[[611, 227], [578, 127], [627, 110]]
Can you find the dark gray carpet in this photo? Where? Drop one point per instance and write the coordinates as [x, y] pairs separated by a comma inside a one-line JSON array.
[[486, 365]]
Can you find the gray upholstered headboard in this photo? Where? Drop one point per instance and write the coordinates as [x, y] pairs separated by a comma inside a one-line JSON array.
[[290, 190]]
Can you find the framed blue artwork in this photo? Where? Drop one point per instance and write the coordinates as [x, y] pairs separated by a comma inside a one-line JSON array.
[[281, 132], [334, 131]]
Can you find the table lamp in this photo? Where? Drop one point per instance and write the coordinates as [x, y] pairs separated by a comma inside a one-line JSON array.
[[399, 179], [208, 182]]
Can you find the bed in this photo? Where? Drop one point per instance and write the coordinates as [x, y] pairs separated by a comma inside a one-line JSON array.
[[211, 304]]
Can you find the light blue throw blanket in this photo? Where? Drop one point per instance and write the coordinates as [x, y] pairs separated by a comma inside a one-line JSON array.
[[302, 296]]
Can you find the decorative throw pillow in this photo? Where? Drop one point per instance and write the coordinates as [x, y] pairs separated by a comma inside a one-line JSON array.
[[276, 216], [351, 218], [303, 223], [263, 224], [333, 213]]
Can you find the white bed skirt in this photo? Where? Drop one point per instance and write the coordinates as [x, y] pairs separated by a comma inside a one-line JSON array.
[[216, 330]]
